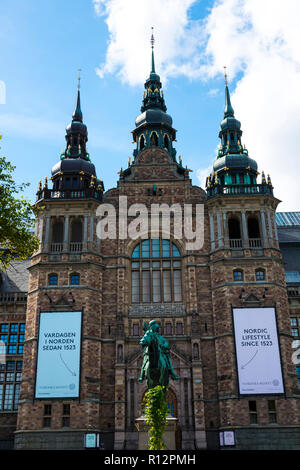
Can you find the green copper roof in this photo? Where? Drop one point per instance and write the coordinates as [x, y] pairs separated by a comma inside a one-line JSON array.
[[228, 111]]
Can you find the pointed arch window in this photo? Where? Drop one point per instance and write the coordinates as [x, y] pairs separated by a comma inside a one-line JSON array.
[[142, 142], [166, 142], [156, 272], [154, 139]]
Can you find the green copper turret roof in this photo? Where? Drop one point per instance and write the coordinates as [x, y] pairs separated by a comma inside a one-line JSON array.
[[228, 111], [77, 114]]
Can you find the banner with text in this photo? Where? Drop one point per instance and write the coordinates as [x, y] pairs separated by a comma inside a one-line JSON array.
[[58, 363], [257, 351]]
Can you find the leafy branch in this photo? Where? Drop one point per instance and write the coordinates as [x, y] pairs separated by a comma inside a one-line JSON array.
[[17, 240], [156, 411]]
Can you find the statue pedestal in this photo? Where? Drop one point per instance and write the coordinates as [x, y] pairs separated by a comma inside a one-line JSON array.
[[169, 436]]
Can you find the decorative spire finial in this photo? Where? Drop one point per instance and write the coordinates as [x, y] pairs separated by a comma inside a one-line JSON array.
[[152, 41], [79, 78], [225, 75]]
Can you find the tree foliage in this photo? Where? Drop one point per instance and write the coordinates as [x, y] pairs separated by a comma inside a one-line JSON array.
[[156, 411], [17, 240]]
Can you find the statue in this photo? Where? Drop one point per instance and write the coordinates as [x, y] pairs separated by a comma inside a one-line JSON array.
[[157, 367]]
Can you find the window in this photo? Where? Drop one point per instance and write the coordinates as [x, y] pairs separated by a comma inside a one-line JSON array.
[[12, 338], [179, 328], [136, 329], [295, 324], [10, 378], [272, 411], [253, 228], [168, 328], [166, 142], [76, 231], [253, 412], [66, 415], [154, 139], [47, 416], [75, 279], [142, 142], [156, 272], [260, 274], [52, 279], [237, 275], [234, 228], [298, 376], [57, 232]]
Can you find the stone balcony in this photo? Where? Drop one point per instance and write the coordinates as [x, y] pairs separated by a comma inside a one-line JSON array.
[[52, 194], [239, 190]]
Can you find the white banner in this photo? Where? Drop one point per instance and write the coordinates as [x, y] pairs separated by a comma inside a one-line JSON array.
[[257, 351], [58, 363]]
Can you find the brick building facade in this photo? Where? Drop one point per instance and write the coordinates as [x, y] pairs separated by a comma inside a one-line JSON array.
[[118, 283]]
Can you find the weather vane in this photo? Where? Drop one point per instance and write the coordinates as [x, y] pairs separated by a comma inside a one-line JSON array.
[[225, 75], [78, 86], [152, 38]]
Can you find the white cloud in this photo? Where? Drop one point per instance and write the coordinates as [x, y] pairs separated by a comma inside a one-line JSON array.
[[257, 39], [129, 23], [261, 40]]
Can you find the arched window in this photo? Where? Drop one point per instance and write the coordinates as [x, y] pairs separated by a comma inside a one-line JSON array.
[[172, 403], [154, 139], [52, 279], [156, 272], [260, 274], [196, 351], [142, 142], [237, 275], [166, 142]]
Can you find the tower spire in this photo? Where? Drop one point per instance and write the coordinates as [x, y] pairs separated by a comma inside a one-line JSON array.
[[152, 55], [77, 114], [228, 111]]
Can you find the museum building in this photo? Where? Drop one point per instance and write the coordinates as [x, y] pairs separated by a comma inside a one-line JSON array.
[[72, 316]]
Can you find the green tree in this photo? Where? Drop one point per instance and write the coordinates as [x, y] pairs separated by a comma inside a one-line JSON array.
[[17, 240]]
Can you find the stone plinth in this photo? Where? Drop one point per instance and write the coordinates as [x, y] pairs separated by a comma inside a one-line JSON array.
[[169, 436]]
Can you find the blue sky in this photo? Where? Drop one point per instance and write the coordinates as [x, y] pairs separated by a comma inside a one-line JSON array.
[[44, 43]]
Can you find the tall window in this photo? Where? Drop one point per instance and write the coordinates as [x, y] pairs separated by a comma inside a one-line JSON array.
[[253, 228], [156, 272], [57, 232], [252, 412], [10, 380]]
